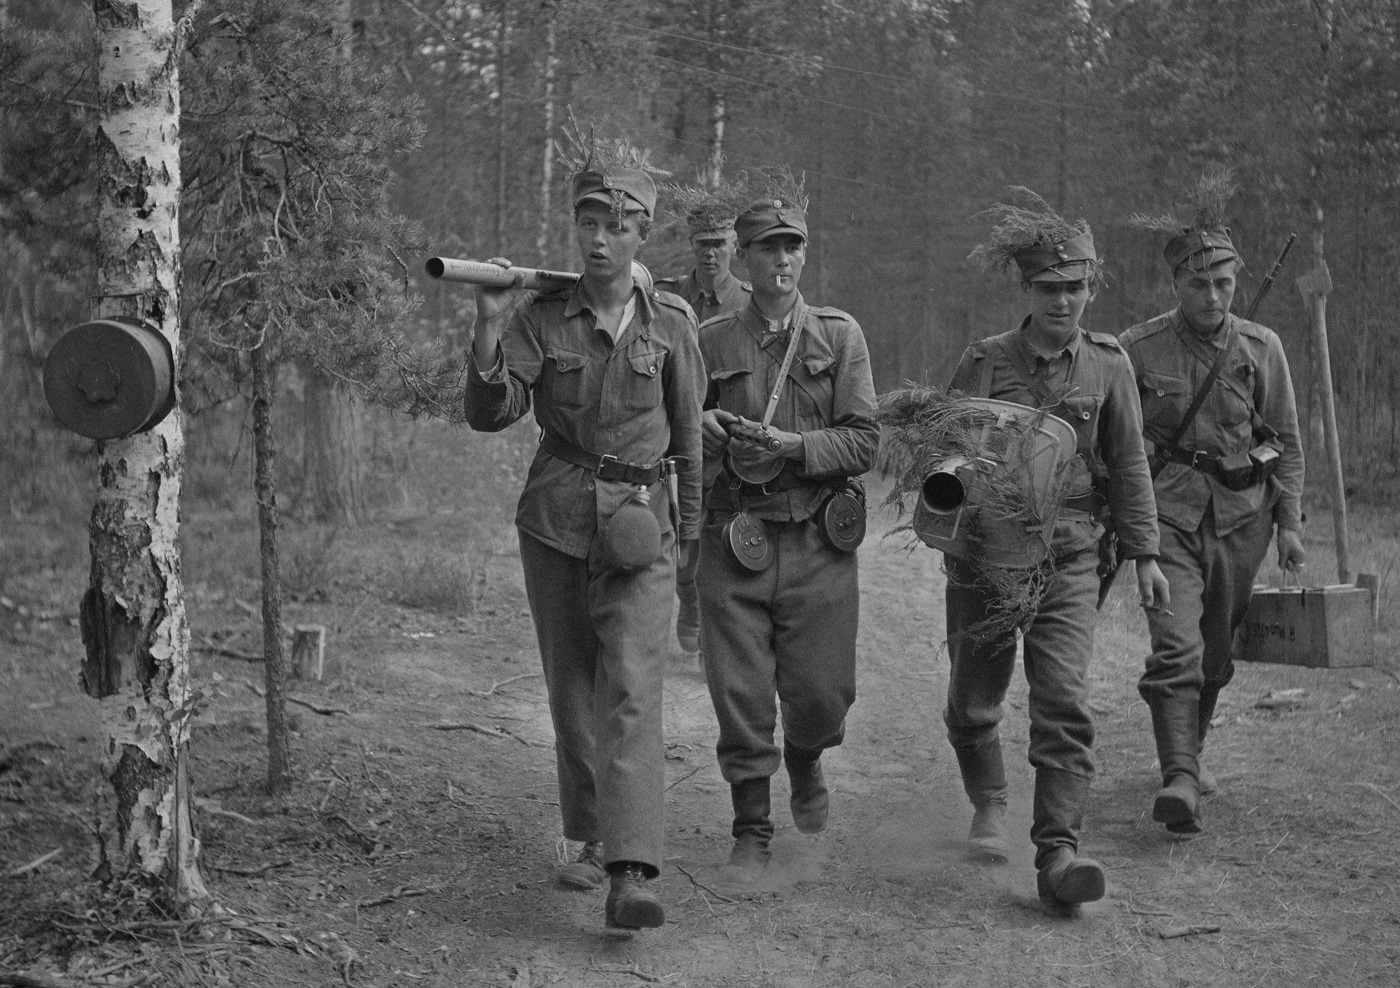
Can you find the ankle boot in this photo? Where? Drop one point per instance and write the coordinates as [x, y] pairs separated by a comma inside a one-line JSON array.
[[1174, 725], [631, 904], [984, 781], [1063, 879], [753, 830], [810, 801]]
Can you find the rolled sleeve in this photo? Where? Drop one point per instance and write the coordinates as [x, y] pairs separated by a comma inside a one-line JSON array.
[[497, 397]]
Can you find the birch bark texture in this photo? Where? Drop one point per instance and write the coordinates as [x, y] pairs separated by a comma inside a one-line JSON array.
[[134, 624]]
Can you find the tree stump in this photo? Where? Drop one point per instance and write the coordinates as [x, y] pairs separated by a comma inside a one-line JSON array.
[[309, 651]]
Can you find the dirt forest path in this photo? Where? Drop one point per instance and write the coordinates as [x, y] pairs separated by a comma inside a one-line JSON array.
[[1295, 881], [430, 852]]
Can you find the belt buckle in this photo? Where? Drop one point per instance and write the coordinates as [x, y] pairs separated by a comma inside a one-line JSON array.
[[1196, 459], [610, 468]]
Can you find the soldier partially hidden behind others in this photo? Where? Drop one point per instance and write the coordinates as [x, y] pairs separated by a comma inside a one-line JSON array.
[[710, 289], [1050, 362], [615, 376], [1234, 475]]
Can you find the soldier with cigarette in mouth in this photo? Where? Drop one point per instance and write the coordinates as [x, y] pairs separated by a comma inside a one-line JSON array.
[[789, 420]]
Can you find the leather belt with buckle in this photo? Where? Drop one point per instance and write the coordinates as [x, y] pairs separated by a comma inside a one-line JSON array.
[[1198, 460], [604, 465]]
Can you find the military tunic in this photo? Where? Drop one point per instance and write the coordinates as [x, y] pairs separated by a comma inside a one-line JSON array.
[[790, 630], [600, 631], [729, 295], [1101, 403], [1213, 539]]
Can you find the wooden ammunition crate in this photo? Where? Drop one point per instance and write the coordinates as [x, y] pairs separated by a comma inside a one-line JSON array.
[[1321, 627]]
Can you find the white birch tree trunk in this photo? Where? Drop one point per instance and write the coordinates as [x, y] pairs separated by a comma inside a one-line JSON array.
[[133, 615]]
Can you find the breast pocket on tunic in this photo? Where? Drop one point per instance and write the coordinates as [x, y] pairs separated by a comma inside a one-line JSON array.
[[815, 392], [643, 388], [734, 385], [565, 377], [1164, 400], [1234, 400], [1083, 413]]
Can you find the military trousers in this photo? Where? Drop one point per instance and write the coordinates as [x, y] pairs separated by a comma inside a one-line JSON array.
[[1057, 648], [1212, 578], [786, 635], [602, 637]]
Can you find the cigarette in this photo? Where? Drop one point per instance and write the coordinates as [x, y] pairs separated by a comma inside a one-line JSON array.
[[778, 280]]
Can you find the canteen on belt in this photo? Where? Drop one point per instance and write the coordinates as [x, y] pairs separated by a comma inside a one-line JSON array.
[[632, 536], [110, 378]]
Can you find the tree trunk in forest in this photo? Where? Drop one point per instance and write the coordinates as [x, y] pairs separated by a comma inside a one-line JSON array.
[[551, 65], [279, 760], [133, 620], [714, 168], [332, 474]]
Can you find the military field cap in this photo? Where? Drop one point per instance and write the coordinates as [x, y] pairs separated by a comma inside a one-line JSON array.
[[635, 186], [1199, 249], [1071, 260], [706, 224], [769, 218]]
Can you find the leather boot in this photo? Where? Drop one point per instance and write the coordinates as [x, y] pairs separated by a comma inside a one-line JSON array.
[[1063, 879], [1206, 710], [752, 829], [1174, 726], [984, 781], [586, 871], [810, 801], [631, 905]]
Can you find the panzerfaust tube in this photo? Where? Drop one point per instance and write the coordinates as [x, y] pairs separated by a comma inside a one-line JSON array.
[[944, 491], [495, 276]]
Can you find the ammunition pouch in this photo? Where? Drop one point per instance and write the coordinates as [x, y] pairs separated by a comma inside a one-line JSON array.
[[840, 520], [746, 542]]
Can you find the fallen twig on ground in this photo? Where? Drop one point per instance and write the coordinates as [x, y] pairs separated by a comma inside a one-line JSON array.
[[683, 778], [634, 970], [505, 682], [313, 707], [490, 732], [214, 809], [14, 979], [1377, 790], [402, 892], [208, 644], [10, 756], [251, 872], [1172, 932], [38, 862], [701, 885]]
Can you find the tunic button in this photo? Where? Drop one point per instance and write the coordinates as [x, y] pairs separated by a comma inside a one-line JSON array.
[[1160, 392], [589, 485], [1084, 416], [653, 369]]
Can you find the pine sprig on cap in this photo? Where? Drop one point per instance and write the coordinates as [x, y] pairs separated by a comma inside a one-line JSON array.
[[1205, 203], [708, 207], [587, 152], [1016, 228], [781, 183]]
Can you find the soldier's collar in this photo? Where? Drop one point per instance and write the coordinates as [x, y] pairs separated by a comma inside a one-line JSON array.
[[579, 302], [1031, 352]]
